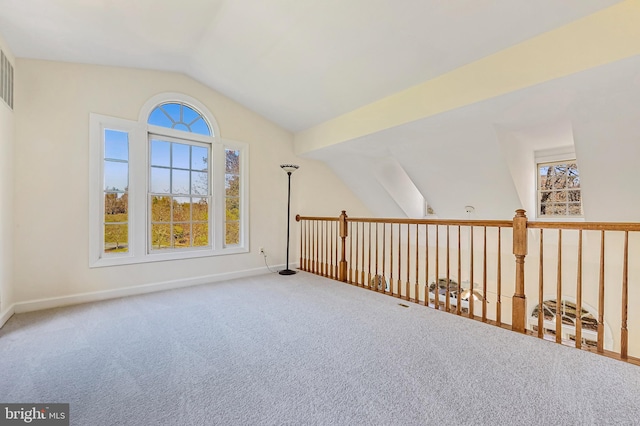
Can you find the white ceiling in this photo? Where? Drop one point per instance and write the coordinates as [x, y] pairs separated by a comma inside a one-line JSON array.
[[296, 62]]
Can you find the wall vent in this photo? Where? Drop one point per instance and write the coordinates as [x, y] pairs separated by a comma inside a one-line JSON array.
[[6, 80]]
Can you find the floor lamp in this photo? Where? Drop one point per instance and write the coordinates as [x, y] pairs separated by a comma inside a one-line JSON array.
[[289, 168]]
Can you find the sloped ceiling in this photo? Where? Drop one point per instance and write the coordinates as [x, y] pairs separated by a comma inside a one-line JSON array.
[[482, 155], [301, 63], [296, 62]]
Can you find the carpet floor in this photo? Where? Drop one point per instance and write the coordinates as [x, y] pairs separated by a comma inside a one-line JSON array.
[[300, 350]]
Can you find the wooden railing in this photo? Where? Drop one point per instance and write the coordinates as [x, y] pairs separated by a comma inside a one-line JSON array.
[[477, 269]]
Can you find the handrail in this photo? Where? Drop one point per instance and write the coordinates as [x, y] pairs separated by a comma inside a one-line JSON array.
[[378, 254], [330, 219], [464, 222], [587, 226]]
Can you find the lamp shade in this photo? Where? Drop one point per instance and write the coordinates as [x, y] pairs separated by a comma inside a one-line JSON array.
[[289, 168]]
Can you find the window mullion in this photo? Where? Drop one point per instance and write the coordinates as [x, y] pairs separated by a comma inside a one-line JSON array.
[[137, 191], [218, 194]]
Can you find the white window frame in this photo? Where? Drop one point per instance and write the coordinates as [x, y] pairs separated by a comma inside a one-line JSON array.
[[139, 210], [189, 142], [555, 155]]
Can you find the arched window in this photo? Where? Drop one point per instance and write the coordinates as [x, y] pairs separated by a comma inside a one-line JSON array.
[[179, 116], [171, 187], [569, 315], [179, 179]]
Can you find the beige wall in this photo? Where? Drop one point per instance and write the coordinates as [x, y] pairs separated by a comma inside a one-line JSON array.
[[6, 198], [51, 171]]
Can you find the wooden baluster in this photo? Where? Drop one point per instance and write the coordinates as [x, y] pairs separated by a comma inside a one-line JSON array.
[[302, 243], [559, 291], [579, 294], [301, 262], [407, 296], [350, 280], [426, 265], [332, 238], [377, 275], [384, 249], [369, 257], [320, 248], [499, 280], [484, 275], [459, 292], [337, 270], [471, 299], [541, 288], [326, 248], [624, 334], [309, 240], [601, 297], [323, 242], [520, 248], [338, 250], [362, 278], [343, 249], [301, 246], [391, 283], [437, 290], [315, 247], [307, 262], [327, 252], [309, 246], [417, 287], [399, 260], [447, 302], [336, 273], [356, 265]]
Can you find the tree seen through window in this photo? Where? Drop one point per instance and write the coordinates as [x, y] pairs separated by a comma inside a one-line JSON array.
[[559, 189]]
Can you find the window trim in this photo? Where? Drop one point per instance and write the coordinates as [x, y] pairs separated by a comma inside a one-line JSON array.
[[97, 125], [163, 98], [554, 155], [139, 210], [243, 196]]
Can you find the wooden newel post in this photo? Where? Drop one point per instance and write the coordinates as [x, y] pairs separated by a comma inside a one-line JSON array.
[[342, 272], [520, 251]]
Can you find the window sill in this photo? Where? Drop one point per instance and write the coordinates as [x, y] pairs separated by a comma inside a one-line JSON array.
[[163, 257]]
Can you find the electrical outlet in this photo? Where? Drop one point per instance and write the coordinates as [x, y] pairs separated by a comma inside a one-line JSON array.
[[261, 250]]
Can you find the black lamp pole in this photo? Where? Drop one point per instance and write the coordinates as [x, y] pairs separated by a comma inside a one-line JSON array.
[[289, 168]]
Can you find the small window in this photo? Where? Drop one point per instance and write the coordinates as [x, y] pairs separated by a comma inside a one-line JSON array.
[[559, 189]]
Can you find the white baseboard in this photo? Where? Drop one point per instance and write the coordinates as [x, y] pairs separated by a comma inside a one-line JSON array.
[[74, 299], [6, 314]]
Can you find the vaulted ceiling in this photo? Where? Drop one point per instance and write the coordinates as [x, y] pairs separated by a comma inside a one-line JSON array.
[[316, 67], [296, 62]]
